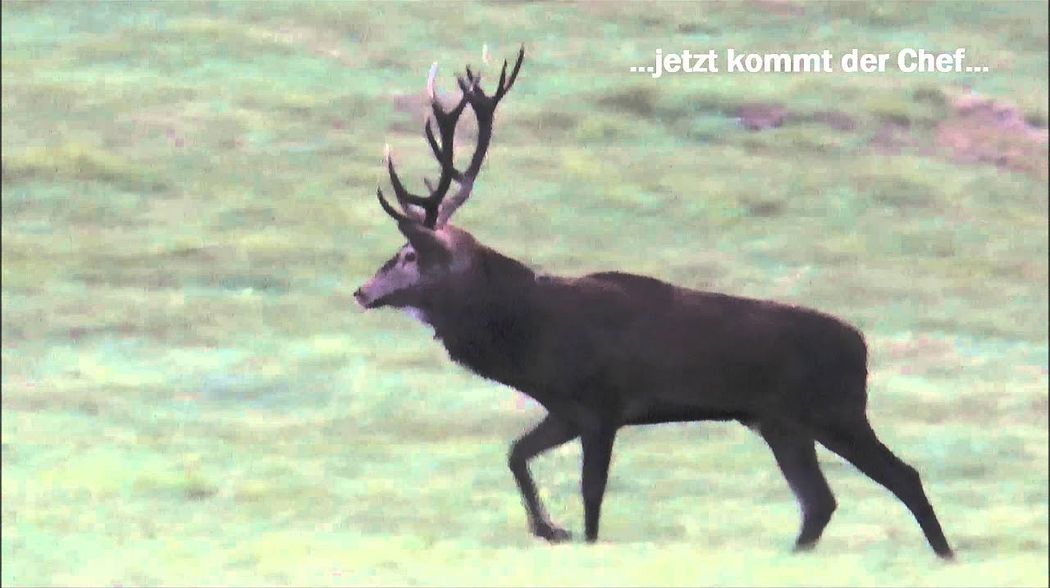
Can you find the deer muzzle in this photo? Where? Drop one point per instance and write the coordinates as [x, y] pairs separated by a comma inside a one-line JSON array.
[[363, 299]]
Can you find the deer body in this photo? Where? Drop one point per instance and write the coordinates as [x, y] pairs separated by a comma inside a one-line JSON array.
[[613, 349], [638, 350]]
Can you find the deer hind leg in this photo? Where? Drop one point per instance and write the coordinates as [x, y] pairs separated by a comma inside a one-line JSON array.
[[797, 457], [597, 454], [859, 445], [550, 433]]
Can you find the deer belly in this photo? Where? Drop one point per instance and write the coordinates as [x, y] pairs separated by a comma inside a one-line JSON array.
[[662, 411]]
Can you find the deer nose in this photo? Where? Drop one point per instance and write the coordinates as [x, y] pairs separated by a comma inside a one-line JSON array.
[[361, 298]]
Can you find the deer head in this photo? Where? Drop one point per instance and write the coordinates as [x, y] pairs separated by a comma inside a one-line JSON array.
[[435, 251]]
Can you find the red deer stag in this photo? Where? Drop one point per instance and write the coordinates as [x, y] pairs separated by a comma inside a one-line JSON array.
[[612, 349]]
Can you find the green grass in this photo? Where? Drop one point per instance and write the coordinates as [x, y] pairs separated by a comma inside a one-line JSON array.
[[190, 396]]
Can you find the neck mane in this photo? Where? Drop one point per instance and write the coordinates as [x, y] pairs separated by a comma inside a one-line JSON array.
[[485, 318]]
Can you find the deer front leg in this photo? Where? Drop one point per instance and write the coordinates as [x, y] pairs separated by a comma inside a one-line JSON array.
[[551, 432]]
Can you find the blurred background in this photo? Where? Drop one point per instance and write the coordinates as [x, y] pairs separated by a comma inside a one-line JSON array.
[[191, 397]]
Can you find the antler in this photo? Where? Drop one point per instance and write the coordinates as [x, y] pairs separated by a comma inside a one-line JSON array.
[[435, 209]]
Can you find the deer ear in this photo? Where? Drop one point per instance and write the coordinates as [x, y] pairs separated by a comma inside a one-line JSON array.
[[427, 242]]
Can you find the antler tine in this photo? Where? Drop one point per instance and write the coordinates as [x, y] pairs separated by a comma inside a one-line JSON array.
[[430, 81], [435, 104], [429, 133], [390, 209], [465, 87], [439, 154], [501, 89], [404, 197]]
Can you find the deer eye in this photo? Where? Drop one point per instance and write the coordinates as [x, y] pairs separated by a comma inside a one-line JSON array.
[[410, 257]]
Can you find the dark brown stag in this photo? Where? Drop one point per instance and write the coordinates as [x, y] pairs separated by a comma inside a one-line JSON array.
[[612, 349]]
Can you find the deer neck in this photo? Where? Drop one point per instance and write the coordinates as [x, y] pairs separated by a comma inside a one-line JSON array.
[[486, 320]]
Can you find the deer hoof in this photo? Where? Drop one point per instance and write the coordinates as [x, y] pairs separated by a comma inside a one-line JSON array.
[[552, 534], [804, 547]]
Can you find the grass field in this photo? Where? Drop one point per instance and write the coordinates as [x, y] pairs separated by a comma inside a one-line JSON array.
[[191, 398]]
